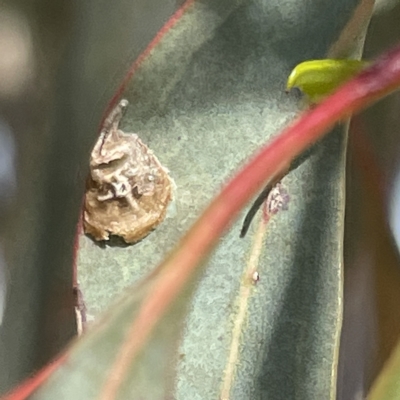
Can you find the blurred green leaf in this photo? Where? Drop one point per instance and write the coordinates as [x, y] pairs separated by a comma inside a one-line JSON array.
[[387, 385], [371, 324]]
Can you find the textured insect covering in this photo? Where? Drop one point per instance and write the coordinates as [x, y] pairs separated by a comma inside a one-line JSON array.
[[128, 190]]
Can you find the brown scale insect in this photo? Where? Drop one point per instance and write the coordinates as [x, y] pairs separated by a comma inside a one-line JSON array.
[[128, 190]]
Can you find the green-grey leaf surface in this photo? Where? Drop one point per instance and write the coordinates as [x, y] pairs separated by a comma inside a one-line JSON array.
[[206, 97], [79, 50]]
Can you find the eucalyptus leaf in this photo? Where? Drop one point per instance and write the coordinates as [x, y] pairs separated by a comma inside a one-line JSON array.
[[76, 54], [205, 97]]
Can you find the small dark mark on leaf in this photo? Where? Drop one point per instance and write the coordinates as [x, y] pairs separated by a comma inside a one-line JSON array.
[[80, 310], [266, 191], [255, 277], [278, 199]]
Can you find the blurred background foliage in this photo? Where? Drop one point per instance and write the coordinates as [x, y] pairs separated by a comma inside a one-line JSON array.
[[371, 323]]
